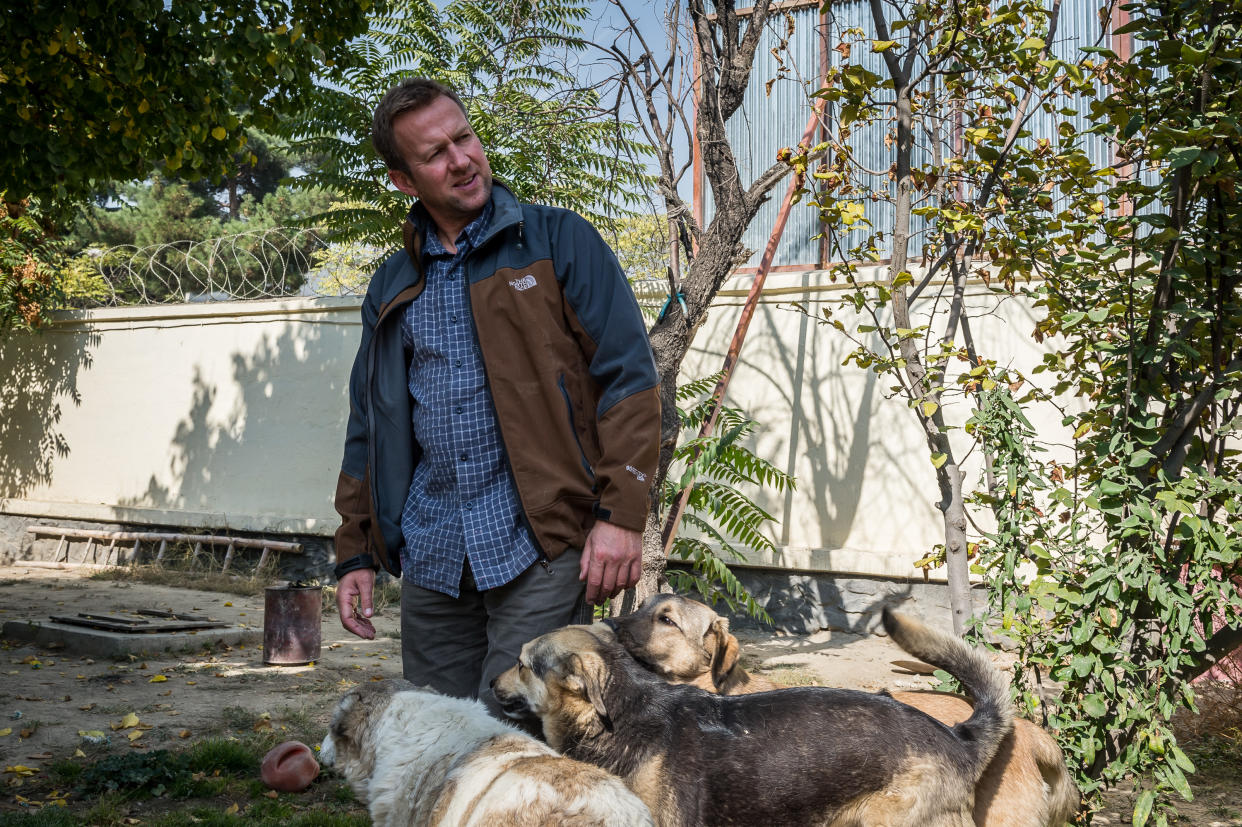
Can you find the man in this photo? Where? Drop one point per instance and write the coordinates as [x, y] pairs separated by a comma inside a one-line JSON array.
[[504, 416]]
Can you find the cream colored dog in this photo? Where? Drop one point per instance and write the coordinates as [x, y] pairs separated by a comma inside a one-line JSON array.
[[419, 758], [684, 641]]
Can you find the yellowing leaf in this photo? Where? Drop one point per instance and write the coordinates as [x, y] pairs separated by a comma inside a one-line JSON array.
[[929, 408], [20, 771], [220, 133], [1082, 429], [851, 213], [228, 603], [128, 721], [157, 679], [882, 45], [91, 733], [231, 810], [77, 753], [8, 730], [134, 734], [939, 459], [144, 107]]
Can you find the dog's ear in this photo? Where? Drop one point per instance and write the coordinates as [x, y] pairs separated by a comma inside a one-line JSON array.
[[586, 677], [724, 656]]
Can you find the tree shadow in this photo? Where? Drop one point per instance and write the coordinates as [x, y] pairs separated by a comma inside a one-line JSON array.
[[254, 444], [38, 374]]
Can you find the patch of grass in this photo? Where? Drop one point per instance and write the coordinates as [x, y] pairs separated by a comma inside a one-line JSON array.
[[107, 812], [790, 675], [47, 817], [220, 755], [239, 718], [188, 578], [64, 772]]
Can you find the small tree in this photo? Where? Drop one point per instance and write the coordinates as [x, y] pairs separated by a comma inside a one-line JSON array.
[[683, 91], [1135, 539], [949, 89]]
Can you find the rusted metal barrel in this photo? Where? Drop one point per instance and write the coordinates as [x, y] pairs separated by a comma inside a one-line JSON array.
[[291, 616]]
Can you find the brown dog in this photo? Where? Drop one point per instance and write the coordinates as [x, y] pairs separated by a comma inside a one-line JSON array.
[[684, 641], [803, 756]]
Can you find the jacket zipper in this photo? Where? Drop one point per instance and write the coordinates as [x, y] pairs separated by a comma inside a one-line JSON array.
[[504, 448], [573, 428], [373, 488]]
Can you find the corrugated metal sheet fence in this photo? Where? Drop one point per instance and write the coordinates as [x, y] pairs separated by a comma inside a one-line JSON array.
[[778, 101]]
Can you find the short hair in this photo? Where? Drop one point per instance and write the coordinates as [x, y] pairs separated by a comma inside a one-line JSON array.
[[406, 96]]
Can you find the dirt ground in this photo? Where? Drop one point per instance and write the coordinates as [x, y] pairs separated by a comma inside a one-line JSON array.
[[53, 701]]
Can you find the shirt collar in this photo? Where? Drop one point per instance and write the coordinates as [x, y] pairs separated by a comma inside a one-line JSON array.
[[469, 238]]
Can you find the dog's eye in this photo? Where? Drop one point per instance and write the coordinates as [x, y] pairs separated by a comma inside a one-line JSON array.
[[668, 620]]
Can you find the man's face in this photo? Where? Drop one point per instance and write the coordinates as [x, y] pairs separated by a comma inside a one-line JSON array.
[[449, 172]]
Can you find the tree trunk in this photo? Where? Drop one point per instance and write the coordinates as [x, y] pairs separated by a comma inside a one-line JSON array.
[[926, 389]]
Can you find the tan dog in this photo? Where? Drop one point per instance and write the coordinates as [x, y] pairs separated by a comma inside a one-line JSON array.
[[420, 758], [684, 641], [802, 756]]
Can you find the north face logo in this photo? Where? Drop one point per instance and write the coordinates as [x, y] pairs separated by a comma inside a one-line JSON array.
[[526, 282], [641, 476]]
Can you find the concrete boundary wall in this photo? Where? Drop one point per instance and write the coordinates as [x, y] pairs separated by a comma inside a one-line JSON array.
[[230, 416]]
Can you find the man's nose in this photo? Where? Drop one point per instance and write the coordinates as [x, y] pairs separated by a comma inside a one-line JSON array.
[[457, 157]]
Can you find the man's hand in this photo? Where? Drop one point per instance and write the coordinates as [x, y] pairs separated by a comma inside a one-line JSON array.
[[612, 561], [357, 585]]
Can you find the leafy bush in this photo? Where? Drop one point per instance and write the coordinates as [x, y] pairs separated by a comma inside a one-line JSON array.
[[718, 470]]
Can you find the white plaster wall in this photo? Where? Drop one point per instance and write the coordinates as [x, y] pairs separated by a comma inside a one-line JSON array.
[[866, 488], [221, 415], [232, 416]]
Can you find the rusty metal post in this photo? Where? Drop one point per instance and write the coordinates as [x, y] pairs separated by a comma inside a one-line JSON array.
[[673, 521], [291, 620]]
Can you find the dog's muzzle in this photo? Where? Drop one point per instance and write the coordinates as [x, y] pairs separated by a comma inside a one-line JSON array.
[[514, 706]]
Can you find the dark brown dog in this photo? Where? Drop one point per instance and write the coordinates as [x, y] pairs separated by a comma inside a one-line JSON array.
[[684, 641], [801, 756]]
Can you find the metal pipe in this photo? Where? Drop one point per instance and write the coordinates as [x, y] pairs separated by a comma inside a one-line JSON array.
[[669, 533], [212, 539]]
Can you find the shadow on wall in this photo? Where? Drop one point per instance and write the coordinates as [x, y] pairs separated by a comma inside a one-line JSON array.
[[264, 452], [830, 434], [38, 374]]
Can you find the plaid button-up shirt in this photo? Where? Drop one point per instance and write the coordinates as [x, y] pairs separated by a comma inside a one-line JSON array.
[[462, 502]]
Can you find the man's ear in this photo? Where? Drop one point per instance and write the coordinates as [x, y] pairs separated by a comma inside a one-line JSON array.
[[403, 182]]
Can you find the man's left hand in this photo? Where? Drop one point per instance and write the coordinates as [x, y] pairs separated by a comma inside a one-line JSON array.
[[612, 561]]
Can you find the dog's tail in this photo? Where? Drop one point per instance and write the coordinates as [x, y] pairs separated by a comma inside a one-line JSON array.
[[992, 720]]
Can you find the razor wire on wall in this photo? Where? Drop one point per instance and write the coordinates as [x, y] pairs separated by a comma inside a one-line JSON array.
[[257, 264]]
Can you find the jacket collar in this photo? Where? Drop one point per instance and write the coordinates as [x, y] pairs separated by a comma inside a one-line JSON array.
[[508, 212]]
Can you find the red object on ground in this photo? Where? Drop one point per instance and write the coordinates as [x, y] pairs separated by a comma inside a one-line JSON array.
[[289, 767]]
